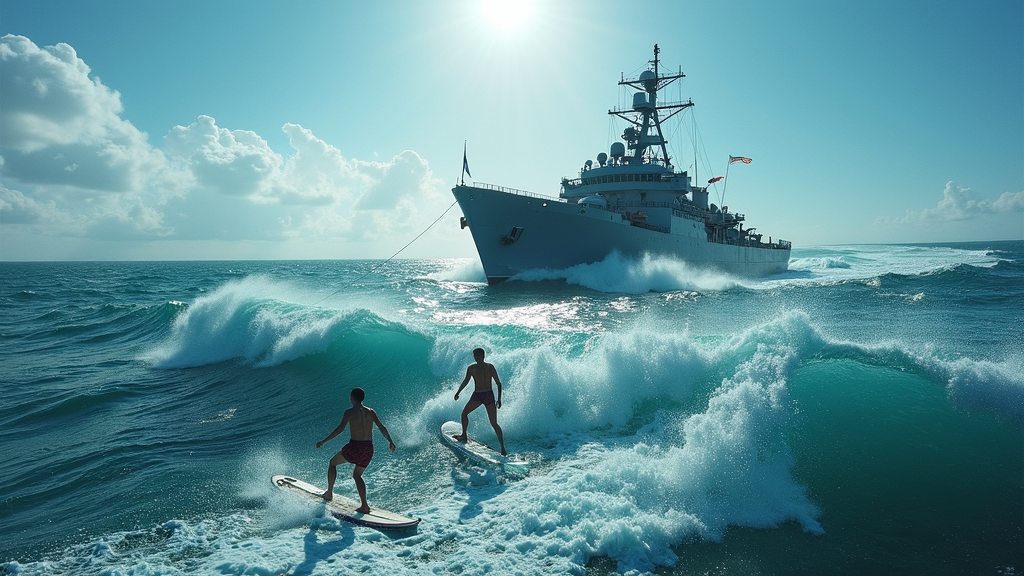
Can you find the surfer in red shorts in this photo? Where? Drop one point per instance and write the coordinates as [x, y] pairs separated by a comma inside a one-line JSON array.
[[359, 450], [482, 373]]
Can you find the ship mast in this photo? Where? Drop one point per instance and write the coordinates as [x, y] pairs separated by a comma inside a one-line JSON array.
[[644, 116]]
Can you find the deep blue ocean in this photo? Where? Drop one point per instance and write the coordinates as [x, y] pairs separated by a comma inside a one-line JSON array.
[[862, 413]]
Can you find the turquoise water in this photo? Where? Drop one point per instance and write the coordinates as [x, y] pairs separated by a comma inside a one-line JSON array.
[[861, 413]]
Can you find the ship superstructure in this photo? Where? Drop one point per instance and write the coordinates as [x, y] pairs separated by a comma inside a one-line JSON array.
[[632, 201]]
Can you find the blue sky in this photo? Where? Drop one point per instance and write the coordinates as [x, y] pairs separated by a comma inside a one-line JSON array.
[[257, 129]]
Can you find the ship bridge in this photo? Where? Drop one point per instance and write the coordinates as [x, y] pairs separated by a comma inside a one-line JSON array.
[[648, 180]]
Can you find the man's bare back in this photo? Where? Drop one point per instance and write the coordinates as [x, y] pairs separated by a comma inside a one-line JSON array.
[[482, 373], [360, 420]]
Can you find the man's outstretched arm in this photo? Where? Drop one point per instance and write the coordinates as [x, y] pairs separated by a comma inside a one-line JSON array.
[[463, 385], [344, 422], [384, 431], [494, 374]]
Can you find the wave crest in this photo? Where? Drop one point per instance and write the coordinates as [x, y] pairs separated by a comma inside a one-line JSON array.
[[257, 322]]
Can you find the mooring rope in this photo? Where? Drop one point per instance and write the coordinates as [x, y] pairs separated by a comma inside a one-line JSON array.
[[377, 267]]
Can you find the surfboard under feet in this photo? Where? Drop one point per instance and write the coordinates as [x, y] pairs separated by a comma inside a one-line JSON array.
[[482, 454], [345, 508]]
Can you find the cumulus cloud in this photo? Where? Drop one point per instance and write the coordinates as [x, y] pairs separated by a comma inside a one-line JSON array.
[[960, 203], [58, 126], [233, 162], [71, 166], [315, 191], [16, 208]]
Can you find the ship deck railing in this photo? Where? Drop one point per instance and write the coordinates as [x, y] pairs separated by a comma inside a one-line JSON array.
[[515, 191], [647, 226], [751, 243]]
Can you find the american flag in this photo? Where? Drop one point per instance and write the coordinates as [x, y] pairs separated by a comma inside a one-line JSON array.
[[743, 159]]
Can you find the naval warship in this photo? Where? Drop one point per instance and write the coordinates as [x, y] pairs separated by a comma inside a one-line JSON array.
[[632, 201]]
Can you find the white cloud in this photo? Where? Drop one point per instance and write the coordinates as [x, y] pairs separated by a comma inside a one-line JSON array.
[[959, 204], [233, 162], [83, 171], [317, 172], [16, 208], [58, 126], [308, 194], [1009, 202]]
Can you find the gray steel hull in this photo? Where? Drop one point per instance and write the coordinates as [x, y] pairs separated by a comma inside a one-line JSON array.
[[557, 235]]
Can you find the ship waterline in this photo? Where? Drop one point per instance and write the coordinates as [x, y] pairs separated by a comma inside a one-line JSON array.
[[515, 231]]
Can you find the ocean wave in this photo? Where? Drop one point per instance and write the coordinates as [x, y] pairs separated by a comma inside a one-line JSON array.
[[258, 322], [69, 403], [649, 439], [554, 385], [820, 263], [971, 384], [866, 263]]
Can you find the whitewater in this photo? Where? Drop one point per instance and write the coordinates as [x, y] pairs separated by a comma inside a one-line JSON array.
[[861, 413]]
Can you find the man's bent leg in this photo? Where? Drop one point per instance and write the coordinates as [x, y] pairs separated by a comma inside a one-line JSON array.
[[492, 413], [473, 404], [332, 475], [357, 475]]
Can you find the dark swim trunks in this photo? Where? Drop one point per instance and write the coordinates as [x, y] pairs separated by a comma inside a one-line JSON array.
[[486, 397], [358, 452]]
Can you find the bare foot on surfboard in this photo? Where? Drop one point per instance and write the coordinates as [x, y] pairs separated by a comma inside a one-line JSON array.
[[327, 496], [363, 510], [459, 438]]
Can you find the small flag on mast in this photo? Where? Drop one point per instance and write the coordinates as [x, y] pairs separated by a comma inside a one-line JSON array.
[[716, 179], [743, 159], [465, 162]]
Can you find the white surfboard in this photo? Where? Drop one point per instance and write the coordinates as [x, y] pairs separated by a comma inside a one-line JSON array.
[[481, 453], [345, 508]]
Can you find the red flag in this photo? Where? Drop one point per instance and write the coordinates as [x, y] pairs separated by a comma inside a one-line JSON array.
[[716, 179], [743, 159]]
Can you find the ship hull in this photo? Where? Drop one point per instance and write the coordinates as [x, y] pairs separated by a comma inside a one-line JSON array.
[[556, 235]]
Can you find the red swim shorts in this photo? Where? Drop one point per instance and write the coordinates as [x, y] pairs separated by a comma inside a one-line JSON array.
[[358, 452]]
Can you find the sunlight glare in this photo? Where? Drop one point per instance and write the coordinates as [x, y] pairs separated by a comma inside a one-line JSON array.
[[506, 14]]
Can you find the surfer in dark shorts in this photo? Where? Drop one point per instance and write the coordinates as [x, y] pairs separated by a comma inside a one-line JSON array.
[[359, 450], [482, 373]]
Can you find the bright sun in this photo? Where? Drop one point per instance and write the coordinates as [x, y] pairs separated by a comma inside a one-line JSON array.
[[506, 13]]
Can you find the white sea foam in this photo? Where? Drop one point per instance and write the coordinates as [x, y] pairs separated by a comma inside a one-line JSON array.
[[819, 263], [466, 270], [618, 273]]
